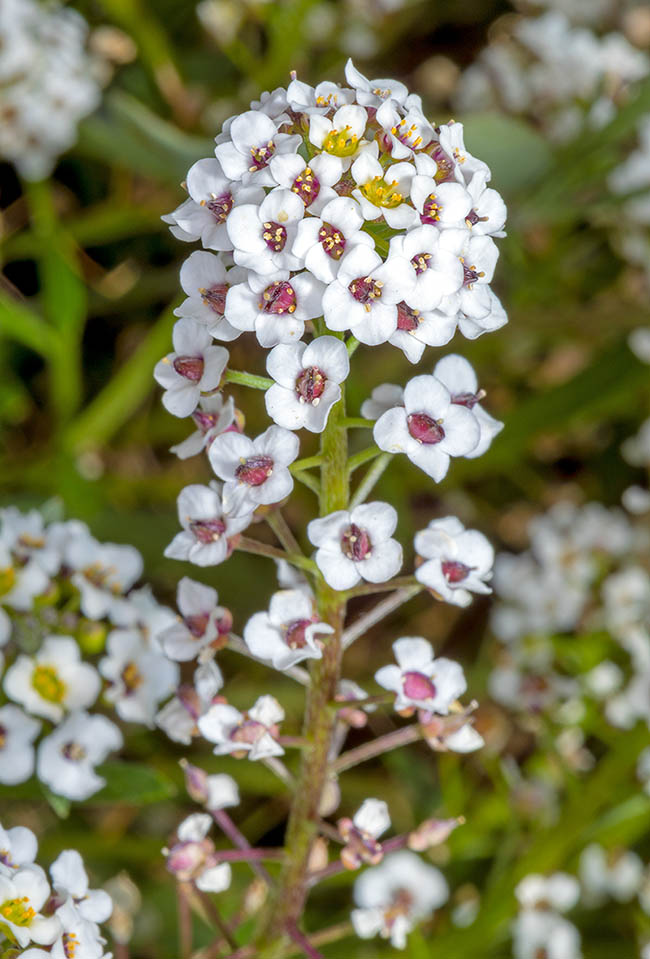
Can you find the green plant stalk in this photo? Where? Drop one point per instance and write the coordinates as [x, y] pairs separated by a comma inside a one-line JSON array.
[[287, 905]]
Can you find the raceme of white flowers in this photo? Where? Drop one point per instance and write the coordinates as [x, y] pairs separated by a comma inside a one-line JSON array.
[[331, 218], [60, 913], [48, 82]]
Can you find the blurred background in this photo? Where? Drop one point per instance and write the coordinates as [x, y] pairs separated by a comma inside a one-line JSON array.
[[88, 285]]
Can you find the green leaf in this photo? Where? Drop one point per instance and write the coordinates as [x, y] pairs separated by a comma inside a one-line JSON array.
[[133, 783], [59, 804], [516, 154], [20, 323]]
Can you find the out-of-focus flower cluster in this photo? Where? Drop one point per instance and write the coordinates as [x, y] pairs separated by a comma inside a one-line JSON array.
[[59, 916]]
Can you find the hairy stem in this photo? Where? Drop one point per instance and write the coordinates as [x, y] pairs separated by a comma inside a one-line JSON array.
[[302, 827]]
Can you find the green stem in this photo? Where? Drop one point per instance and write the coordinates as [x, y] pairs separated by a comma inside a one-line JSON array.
[[368, 482], [248, 379], [309, 481], [363, 456], [258, 548], [306, 463], [357, 423], [302, 827]]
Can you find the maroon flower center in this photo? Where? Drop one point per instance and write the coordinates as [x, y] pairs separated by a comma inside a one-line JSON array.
[[418, 686], [470, 274], [294, 635], [473, 218], [215, 297], [332, 241], [310, 385], [191, 367], [279, 297], [74, 752], [208, 530], [431, 209], [365, 290], [260, 156], [355, 543], [220, 206], [444, 163], [205, 421], [407, 319], [424, 429], [255, 470], [197, 624], [248, 732], [455, 572], [307, 186], [275, 236], [420, 263], [467, 399]]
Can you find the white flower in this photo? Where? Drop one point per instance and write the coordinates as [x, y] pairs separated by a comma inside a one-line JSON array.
[[360, 834], [54, 680], [372, 817], [312, 181], [382, 191], [382, 398], [322, 240], [213, 415], [223, 792], [357, 544], [307, 382], [364, 296], [70, 881], [418, 329], [18, 847], [617, 875], [420, 680], [473, 326], [460, 379], [179, 716], [558, 891], [429, 428], [24, 582], [438, 271], [262, 236], [103, 573], [67, 758], [392, 897], [639, 343], [544, 933], [478, 256], [325, 96], [208, 528], [373, 93], [254, 140], [288, 632], [17, 734], [206, 281], [78, 936], [458, 560], [341, 136], [451, 138], [196, 366], [201, 621], [22, 896], [25, 536], [255, 471], [463, 740], [252, 734], [488, 213], [446, 204], [405, 133], [274, 306], [139, 676], [212, 197]]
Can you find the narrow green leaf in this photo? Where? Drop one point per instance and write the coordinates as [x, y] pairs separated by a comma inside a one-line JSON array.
[[20, 323], [133, 783], [59, 804]]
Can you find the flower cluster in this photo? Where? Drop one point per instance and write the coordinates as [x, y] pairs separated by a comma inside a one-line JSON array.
[[48, 83], [60, 917]]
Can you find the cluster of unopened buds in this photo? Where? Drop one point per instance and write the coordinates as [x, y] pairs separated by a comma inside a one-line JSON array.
[[330, 217], [40, 918]]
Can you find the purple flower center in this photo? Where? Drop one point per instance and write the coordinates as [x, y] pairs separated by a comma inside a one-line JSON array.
[[444, 163], [275, 236], [197, 624], [248, 732], [205, 421], [191, 367], [407, 319], [279, 297], [470, 274], [294, 635], [365, 290], [215, 297], [420, 262], [73, 752], [220, 206], [255, 470], [431, 209], [307, 186], [466, 399], [332, 241], [355, 543], [310, 385], [424, 429], [208, 530], [260, 156], [455, 572], [418, 686]]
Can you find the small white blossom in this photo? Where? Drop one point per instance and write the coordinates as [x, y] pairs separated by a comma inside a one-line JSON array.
[[255, 471], [537, 932], [201, 622], [214, 415], [17, 734], [288, 632], [307, 379], [312, 181], [406, 133], [208, 528], [442, 205], [104, 572], [254, 140], [178, 717], [437, 270], [18, 847], [559, 891], [53, 681], [430, 428], [196, 366], [22, 896], [458, 560], [252, 734], [419, 680], [67, 758], [357, 544], [382, 398], [274, 306], [373, 93], [478, 256], [458, 375], [372, 817], [321, 241], [262, 236], [70, 882], [223, 792], [140, 677], [206, 281], [382, 191], [342, 136], [615, 875]]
